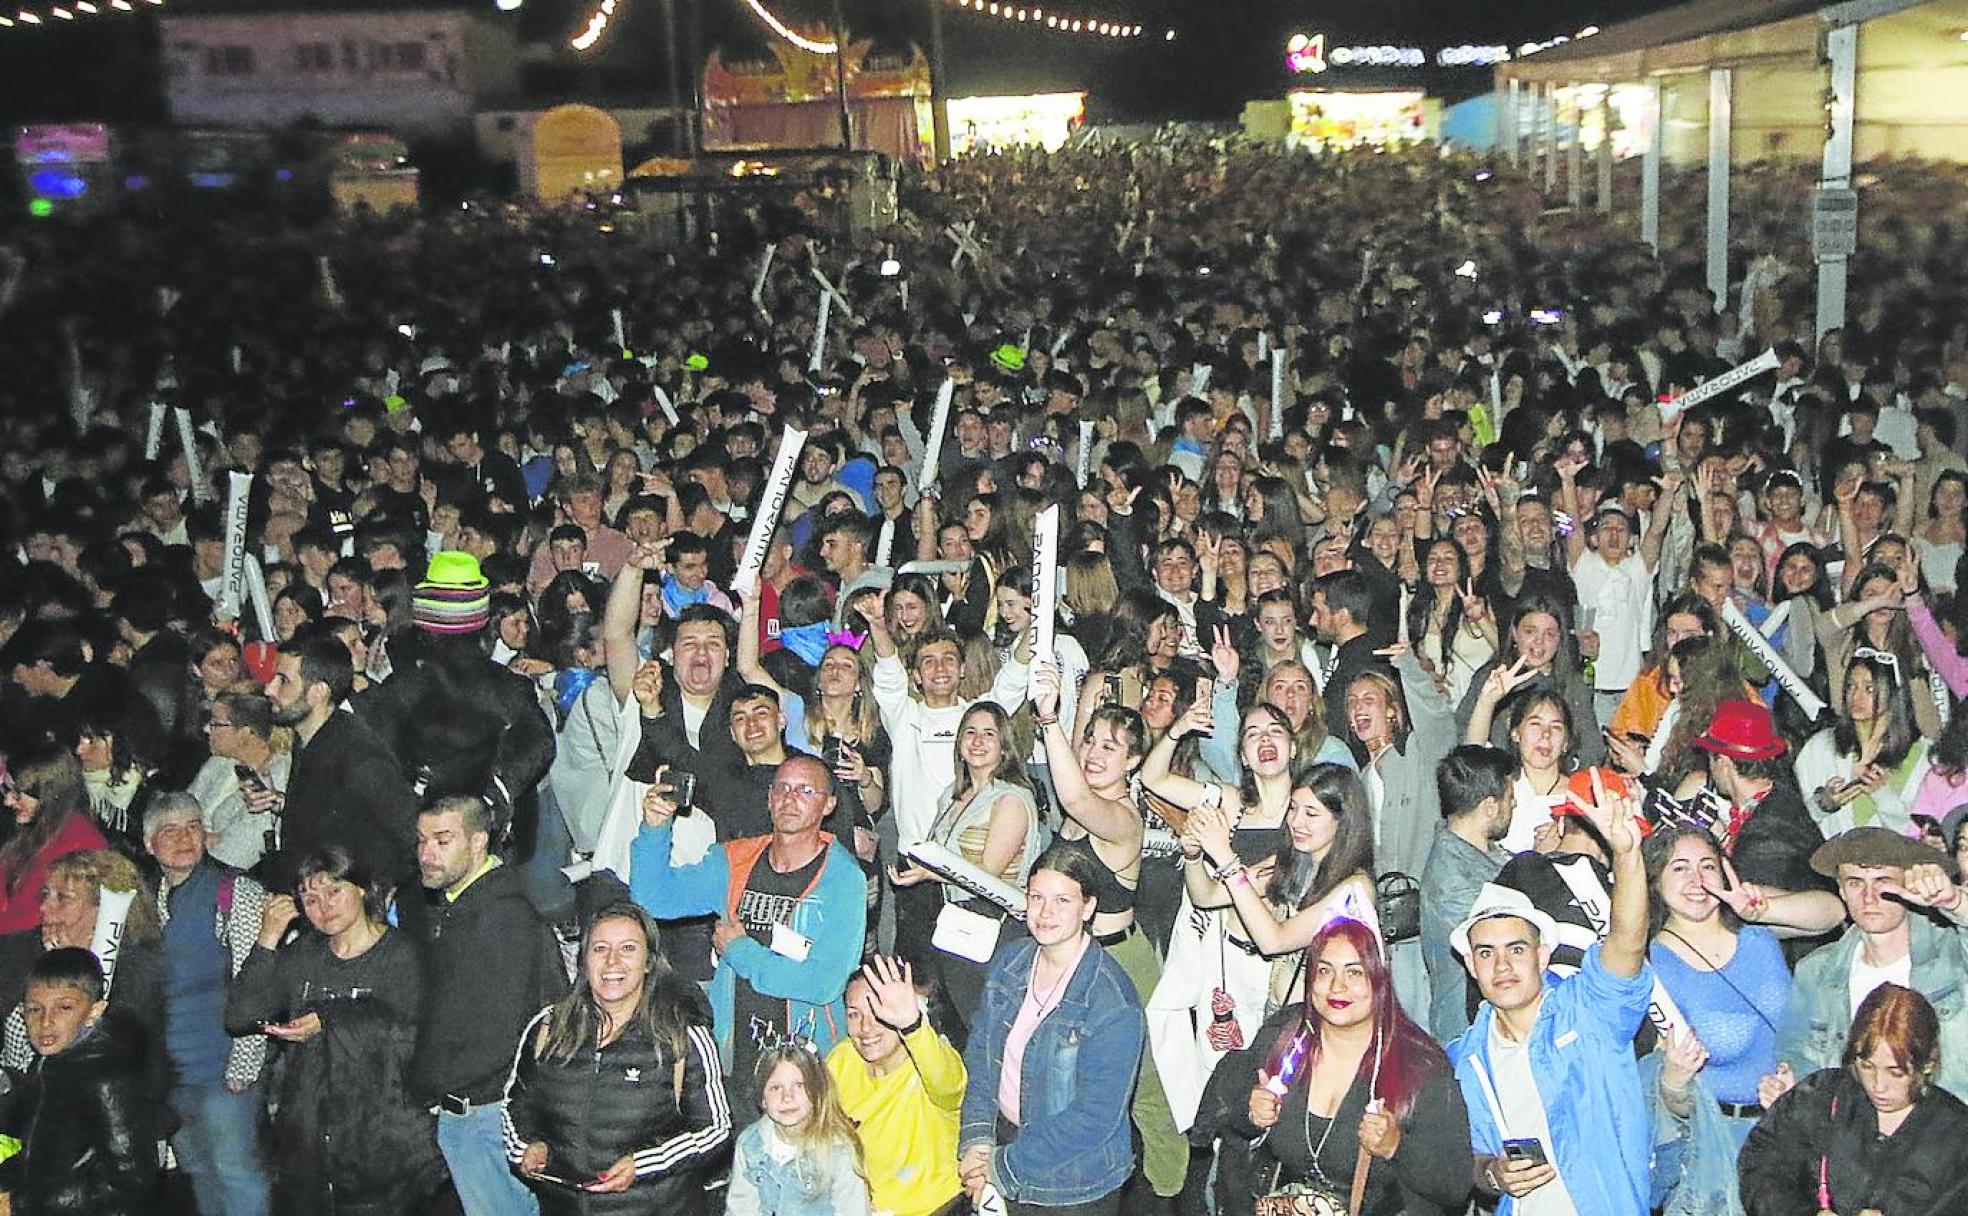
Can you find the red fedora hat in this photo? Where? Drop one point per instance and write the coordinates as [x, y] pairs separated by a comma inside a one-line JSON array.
[[1743, 730]]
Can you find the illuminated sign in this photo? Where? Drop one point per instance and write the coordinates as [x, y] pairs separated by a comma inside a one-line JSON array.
[[1308, 53], [1471, 56]]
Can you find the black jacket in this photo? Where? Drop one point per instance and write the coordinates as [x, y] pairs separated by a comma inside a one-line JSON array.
[[1920, 1170], [628, 1098], [345, 1134], [462, 724], [1774, 848], [346, 788], [84, 1119], [490, 962]]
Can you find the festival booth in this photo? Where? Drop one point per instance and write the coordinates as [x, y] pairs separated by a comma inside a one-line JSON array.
[[67, 168], [373, 169], [791, 101], [842, 192], [1037, 120], [567, 150]]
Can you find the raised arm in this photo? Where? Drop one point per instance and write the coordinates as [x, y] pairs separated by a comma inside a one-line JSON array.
[[1184, 792], [1110, 821], [748, 647], [1625, 948], [621, 620]]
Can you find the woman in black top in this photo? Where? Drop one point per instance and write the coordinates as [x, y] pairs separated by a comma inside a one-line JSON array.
[[344, 1000], [1345, 1070], [1875, 1135], [616, 1102]]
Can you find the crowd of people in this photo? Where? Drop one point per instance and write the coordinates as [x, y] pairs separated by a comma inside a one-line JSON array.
[[1200, 680]]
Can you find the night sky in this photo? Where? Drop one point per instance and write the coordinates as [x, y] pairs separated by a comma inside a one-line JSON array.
[[104, 68]]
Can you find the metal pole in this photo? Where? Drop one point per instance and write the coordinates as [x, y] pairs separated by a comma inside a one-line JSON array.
[[1841, 48], [679, 117], [1574, 153], [1507, 121], [840, 75], [1605, 183], [1721, 111], [939, 88], [1550, 137], [1650, 175]]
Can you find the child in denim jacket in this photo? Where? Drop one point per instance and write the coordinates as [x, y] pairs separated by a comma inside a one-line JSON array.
[[802, 1158]]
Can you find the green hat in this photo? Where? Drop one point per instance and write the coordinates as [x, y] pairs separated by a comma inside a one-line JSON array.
[[1009, 357], [696, 362]]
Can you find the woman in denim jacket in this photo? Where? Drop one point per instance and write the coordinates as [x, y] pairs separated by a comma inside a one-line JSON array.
[[1045, 1114]]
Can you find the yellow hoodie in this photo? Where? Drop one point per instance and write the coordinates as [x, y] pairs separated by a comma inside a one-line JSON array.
[[908, 1121]]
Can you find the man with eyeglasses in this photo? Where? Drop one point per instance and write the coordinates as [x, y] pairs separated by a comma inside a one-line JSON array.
[[792, 912]]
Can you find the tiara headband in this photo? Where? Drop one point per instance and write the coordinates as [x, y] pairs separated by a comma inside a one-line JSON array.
[[846, 637]]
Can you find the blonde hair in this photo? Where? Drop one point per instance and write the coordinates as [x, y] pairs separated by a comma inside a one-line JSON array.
[[107, 869], [828, 1128]]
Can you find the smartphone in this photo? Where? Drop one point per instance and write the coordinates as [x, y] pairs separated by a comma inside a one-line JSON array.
[[830, 752], [1113, 690], [248, 779], [683, 791], [1524, 1152]]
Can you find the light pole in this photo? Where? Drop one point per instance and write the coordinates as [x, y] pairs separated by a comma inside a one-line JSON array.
[[939, 96], [840, 76]]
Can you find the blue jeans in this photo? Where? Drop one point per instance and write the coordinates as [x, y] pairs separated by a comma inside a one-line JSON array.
[[219, 1146], [474, 1147]]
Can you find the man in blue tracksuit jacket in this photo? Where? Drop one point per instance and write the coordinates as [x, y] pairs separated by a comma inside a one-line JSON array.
[[1551, 1060], [793, 909]]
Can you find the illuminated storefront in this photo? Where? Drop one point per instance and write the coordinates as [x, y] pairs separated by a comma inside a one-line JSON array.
[[988, 124], [1337, 119]]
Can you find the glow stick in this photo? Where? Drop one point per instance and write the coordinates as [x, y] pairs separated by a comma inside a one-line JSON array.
[[664, 403], [200, 492], [758, 284], [1263, 345], [619, 331], [791, 440], [814, 360], [232, 582], [1788, 679], [329, 290], [1715, 386], [1085, 469], [1278, 393], [885, 542], [154, 437], [1045, 581], [106, 943], [939, 422], [256, 593], [1199, 378]]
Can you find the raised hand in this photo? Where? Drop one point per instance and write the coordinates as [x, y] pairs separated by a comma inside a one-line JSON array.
[[1224, 657], [1210, 827], [1746, 899], [1502, 681], [892, 992], [1045, 687], [1198, 719], [658, 804], [1474, 607], [648, 687]]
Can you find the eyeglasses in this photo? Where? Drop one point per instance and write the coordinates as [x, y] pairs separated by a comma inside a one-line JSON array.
[[803, 792], [215, 724]]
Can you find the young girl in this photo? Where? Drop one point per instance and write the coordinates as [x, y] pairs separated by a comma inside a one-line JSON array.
[[802, 1158]]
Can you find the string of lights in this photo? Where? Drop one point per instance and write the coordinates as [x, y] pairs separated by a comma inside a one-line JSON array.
[[1065, 24], [598, 22], [74, 11]]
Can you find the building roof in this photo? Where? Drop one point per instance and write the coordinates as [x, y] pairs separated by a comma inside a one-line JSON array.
[[1703, 33]]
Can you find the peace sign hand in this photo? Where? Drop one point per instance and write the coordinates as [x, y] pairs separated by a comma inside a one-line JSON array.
[[1502, 681], [1746, 899], [1224, 657], [1474, 607]]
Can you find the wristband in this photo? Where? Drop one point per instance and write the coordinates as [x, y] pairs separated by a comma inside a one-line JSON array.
[[1046, 719]]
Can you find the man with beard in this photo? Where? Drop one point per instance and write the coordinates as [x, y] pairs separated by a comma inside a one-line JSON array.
[[1474, 787], [474, 1013], [346, 786]]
